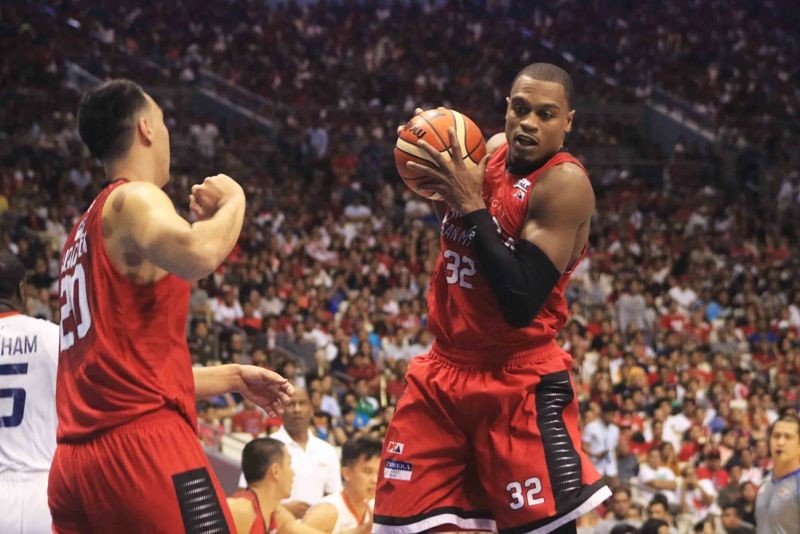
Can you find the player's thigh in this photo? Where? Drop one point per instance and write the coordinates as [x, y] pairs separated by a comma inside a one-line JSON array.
[[164, 477], [427, 477], [529, 456], [150, 478]]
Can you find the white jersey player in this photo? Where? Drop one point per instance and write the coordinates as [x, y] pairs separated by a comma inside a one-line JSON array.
[[28, 361], [350, 510]]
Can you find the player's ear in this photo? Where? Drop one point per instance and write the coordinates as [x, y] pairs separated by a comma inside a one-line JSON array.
[[275, 470], [570, 116], [144, 129], [22, 290]]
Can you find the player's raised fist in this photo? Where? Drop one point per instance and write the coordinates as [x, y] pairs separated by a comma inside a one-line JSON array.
[[213, 193]]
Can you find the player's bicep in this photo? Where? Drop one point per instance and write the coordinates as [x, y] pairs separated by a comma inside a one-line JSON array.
[[321, 516], [495, 142], [563, 202], [146, 214]]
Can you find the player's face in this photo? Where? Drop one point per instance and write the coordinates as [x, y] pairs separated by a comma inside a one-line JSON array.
[[286, 475], [785, 442], [362, 477], [537, 120], [155, 118]]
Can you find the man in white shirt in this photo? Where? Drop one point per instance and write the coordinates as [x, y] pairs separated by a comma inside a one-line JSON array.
[[676, 425], [600, 440], [315, 462], [656, 478], [28, 362]]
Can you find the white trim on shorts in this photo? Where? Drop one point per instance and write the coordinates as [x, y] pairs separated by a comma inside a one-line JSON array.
[[435, 521], [587, 506], [485, 524]]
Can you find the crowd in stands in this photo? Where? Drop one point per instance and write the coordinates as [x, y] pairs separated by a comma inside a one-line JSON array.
[[685, 316]]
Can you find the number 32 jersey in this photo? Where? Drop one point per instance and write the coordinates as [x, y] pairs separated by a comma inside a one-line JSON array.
[[123, 350], [463, 312]]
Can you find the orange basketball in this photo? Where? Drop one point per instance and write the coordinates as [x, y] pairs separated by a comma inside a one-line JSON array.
[[432, 126]]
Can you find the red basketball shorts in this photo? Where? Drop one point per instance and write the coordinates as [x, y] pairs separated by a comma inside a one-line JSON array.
[[486, 449], [150, 475]]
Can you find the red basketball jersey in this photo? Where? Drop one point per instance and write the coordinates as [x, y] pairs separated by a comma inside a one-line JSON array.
[[463, 312], [259, 524], [123, 346]]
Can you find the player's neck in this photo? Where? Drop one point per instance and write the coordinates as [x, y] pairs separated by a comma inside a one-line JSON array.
[[785, 468], [133, 169], [357, 506], [268, 499], [10, 305]]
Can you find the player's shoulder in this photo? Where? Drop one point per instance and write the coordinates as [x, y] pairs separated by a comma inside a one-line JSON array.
[[35, 324], [135, 196]]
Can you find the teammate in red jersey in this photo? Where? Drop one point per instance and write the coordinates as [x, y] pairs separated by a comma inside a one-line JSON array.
[[486, 434], [128, 457]]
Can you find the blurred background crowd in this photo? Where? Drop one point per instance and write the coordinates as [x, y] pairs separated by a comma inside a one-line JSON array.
[[685, 315]]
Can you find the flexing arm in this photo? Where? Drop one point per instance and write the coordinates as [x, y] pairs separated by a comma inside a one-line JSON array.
[[153, 227]]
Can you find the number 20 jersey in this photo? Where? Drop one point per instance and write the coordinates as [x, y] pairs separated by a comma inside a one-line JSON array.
[[463, 312], [123, 350]]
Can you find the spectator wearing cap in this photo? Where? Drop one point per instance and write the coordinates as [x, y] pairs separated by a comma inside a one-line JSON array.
[[600, 441]]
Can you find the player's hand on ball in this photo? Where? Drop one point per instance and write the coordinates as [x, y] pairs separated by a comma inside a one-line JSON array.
[[212, 194], [460, 186], [417, 111], [265, 388]]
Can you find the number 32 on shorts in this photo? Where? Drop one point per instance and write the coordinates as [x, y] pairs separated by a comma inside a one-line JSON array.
[[459, 268], [533, 487]]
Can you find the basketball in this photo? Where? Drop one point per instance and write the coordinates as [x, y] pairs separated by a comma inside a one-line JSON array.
[[432, 126]]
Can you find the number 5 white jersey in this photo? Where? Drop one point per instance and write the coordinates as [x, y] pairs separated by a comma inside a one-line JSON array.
[[28, 362]]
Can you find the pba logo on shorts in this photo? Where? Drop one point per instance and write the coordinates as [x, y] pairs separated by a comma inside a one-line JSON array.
[[397, 470], [395, 447]]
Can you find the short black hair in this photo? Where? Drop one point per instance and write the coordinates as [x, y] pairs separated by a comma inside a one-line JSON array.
[[547, 72], [651, 526], [106, 117], [355, 448], [12, 273], [788, 416], [259, 455]]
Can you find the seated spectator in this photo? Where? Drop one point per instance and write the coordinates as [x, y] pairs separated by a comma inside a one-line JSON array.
[[618, 514], [733, 523], [655, 478], [251, 419]]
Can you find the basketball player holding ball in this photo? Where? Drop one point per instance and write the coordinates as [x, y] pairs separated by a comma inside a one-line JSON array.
[[486, 435]]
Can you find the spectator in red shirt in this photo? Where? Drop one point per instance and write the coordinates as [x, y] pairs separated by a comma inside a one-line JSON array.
[[713, 471], [251, 419]]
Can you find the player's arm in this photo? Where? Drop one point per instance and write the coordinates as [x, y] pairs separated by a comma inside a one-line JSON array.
[[289, 524], [192, 251], [321, 516], [263, 387], [242, 513], [522, 279]]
